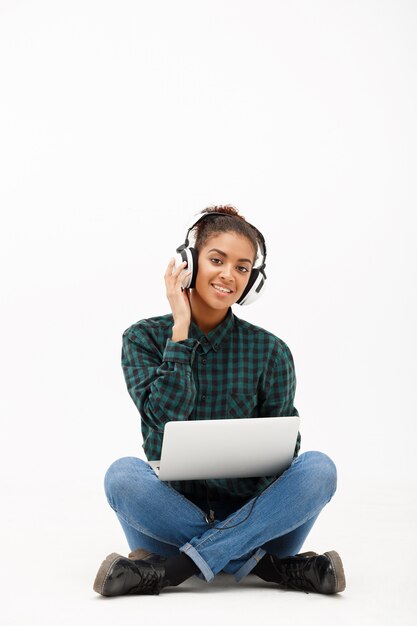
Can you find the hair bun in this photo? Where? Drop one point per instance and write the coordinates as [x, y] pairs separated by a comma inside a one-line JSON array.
[[226, 209]]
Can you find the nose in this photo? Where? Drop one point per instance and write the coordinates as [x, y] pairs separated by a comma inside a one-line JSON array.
[[226, 272]]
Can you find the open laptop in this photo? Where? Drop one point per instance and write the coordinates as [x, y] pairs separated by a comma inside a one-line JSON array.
[[227, 448]]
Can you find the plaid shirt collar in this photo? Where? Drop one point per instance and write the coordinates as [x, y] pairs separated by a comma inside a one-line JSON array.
[[215, 337]]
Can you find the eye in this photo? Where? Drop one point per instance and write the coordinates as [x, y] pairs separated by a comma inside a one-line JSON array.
[[241, 267]]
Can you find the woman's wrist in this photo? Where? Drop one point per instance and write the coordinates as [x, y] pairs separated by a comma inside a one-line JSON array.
[[179, 332]]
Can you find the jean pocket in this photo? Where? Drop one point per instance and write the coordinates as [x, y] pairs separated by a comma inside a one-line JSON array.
[[242, 405]]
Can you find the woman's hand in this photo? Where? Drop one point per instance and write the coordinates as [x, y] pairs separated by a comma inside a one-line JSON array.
[[178, 297]]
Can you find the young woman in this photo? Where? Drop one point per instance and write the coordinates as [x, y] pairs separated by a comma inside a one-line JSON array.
[[202, 362]]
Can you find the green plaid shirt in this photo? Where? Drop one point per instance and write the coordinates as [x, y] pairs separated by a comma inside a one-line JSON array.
[[237, 370]]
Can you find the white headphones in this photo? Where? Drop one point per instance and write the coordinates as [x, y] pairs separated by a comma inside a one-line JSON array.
[[257, 277]]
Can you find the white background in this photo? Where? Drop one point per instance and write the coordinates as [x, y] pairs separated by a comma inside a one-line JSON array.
[[119, 121]]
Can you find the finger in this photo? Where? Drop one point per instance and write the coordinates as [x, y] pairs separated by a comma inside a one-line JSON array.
[[179, 269], [174, 281], [185, 277], [170, 265], [172, 270], [184, 274], [180, 280]]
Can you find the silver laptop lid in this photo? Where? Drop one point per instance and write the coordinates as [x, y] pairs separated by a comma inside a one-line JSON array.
[[228, 448]]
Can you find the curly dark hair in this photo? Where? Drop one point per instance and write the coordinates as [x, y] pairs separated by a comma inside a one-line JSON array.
[[232, 221]]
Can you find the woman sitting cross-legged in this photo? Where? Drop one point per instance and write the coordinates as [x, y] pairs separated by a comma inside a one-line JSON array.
[[202, 362]]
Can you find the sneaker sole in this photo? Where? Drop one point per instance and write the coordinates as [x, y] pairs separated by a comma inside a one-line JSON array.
[[339, 572], [104, 572]]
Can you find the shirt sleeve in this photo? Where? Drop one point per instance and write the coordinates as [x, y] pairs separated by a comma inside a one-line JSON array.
[[278, 386], [162, 389]]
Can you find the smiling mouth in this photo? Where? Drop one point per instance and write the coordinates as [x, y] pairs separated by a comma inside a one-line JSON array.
[[225, 293]]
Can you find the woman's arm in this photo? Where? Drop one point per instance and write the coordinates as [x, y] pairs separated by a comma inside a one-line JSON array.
[[159, 378], [162, 388]]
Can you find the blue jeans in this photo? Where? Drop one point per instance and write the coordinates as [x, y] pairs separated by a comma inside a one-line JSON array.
[[156, 517]]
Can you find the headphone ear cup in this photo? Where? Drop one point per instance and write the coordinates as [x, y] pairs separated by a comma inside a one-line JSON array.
[[190, 255], [194, 266], [253, 289]]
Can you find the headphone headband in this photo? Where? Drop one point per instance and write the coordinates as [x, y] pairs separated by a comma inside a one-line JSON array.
[[194, 222]]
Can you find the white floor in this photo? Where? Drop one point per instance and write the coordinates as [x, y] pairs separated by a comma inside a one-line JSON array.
[[53, 545]]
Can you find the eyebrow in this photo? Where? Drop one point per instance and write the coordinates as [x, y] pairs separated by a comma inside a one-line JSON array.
[[225, 255]]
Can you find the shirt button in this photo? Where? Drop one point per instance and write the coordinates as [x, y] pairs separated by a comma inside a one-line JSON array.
[[203, 397], [204, 361]]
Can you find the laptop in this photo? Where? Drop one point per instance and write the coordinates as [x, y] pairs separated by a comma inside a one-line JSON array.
[[227, 448]]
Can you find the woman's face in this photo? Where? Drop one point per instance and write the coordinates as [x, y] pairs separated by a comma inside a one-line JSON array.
[[226, 260]]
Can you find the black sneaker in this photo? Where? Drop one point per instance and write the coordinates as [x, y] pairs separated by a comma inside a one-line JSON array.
[[322, 573], [140, 554], [120, 576]]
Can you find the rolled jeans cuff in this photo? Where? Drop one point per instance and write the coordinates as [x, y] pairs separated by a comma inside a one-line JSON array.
[[249, 565], [192, 553]]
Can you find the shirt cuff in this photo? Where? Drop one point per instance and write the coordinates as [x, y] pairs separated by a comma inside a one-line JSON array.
[[179, 351]]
